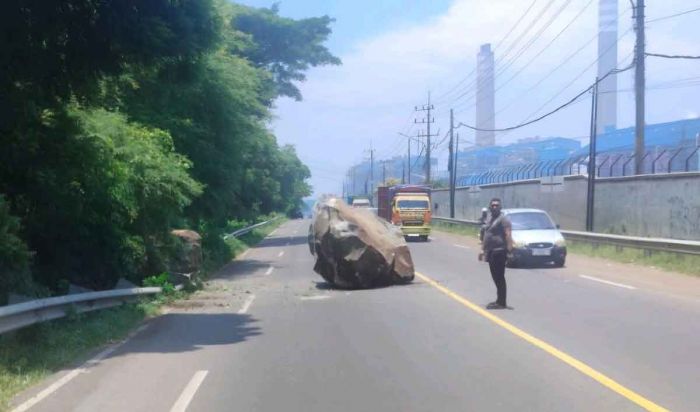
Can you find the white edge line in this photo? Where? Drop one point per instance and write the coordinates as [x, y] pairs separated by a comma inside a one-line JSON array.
[[462, 246], [188, 393], [246, 305], [280, 254], [48, 391], [607, 282], [269, 270]]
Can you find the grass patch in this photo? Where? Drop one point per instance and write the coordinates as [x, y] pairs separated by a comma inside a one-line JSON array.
[[675, 262], [238, 245], [31, 354], [459, 229]]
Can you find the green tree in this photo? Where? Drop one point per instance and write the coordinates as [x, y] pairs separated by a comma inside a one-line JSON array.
[[14, 256], [284, 47]]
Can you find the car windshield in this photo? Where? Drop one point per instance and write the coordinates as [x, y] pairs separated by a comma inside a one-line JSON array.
[[530, 221], [413, 204]]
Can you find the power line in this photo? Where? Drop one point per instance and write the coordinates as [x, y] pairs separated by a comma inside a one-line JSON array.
[[501, 57], [667, 56], [569, 85], [545, 48], [471, 91], [567, 60], [553, 111], [498, 45], [673, 15]]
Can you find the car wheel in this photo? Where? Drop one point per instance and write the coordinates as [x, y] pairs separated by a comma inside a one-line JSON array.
[[511, 263], [424, 238], [560, 262]]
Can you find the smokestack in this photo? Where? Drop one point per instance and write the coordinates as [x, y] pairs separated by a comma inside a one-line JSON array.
[[485, 99], [607, 60]]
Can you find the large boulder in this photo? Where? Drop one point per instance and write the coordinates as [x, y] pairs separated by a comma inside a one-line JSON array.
[[188, 261], [356, 249]]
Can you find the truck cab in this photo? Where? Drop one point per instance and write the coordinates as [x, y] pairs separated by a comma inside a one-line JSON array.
[[407, 206]]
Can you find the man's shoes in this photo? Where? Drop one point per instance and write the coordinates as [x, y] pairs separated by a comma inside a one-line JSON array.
[[496, 305]]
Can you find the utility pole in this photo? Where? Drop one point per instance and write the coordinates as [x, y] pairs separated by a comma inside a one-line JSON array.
[[427, 121], [403, 174], [409, 161], [639, 88], [383, 171], [454, 163], [590, 196], [451, 166], [371, 169]]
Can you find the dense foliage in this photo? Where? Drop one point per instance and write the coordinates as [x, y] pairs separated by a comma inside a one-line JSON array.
[[122, 120]]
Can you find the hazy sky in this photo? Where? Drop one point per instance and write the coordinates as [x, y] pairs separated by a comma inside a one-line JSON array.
[[395, 51]]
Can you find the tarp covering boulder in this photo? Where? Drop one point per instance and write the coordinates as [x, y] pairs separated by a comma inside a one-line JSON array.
[[356, 249]]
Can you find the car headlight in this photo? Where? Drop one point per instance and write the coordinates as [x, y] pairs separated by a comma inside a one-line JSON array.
[[560, 242]]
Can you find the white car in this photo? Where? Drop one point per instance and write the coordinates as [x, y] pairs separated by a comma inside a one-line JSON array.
[[536, 238], [361, 202]]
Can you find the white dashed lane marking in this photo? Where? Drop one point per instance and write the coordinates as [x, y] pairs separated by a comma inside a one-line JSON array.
[[246, 305], [607, 282], [188, 393]]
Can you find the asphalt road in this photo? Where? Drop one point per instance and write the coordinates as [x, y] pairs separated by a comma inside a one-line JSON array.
[[268, 335]]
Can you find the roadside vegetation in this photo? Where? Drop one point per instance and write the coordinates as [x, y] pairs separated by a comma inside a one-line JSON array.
[[466, 230], [31, 354], [675, 262], [663, 260], [120, 123]]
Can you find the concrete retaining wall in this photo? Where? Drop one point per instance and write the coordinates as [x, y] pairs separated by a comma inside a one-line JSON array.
[[664, 205]]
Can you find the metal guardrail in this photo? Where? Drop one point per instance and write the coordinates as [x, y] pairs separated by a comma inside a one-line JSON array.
[[456, 221], [241, 232], [689, 247], [28, 313]]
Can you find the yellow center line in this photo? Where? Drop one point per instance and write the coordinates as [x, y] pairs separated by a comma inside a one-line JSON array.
[[568, 359]]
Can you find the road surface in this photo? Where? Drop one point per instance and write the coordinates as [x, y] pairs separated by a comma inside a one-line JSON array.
[[268, 335]]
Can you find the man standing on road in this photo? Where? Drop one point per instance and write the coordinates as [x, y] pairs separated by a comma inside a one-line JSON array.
[[496, 245]]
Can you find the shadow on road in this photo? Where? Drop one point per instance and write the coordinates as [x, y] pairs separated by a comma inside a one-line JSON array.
[[283, 241], [323, 285], [245, 267], [185, 332]]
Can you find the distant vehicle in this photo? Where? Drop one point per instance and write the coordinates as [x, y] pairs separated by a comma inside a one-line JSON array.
[[407, 206], [536, 238], [361, 202], [296, 214]]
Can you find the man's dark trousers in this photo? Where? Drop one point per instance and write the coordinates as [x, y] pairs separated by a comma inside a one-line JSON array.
[[497, 264]]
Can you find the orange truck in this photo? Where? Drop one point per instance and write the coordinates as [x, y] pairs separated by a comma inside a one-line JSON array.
[[406, 206]]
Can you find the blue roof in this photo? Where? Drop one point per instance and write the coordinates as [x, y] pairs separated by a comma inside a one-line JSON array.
[[671, 134]]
